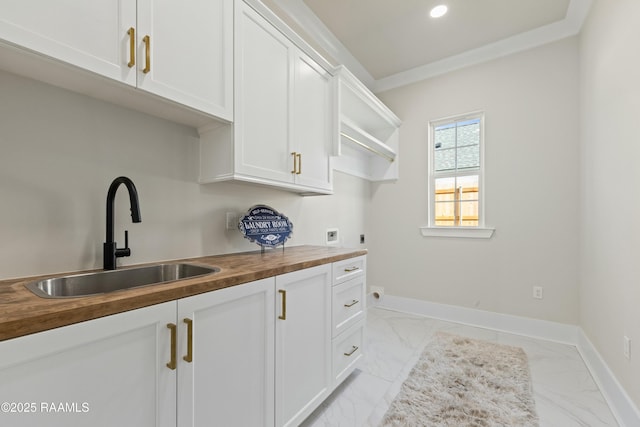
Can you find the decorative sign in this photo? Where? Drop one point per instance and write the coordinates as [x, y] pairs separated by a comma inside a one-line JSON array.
[[265, 226]]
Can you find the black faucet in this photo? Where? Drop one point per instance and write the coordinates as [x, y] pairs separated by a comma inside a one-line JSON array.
[[110, 248]]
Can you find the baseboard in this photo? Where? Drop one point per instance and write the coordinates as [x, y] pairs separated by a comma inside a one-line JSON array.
[[550, 331], [621, 405], [625, 411]]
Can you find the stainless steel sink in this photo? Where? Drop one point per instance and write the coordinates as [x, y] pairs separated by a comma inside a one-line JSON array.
[[81, 285]]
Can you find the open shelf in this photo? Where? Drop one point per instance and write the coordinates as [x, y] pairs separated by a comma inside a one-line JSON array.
[[368, 132]]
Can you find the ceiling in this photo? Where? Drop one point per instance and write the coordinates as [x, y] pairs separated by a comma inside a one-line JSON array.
[[387, 43]]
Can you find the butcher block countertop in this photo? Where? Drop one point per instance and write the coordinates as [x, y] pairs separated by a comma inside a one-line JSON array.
[[22, 312]]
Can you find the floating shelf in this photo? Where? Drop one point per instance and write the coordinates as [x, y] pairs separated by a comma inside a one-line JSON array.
[[368, 132], [352, 134]]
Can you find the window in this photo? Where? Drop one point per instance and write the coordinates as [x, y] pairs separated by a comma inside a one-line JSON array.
[[455, 176]]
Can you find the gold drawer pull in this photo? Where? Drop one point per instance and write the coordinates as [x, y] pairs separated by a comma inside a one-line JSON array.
[[172, 364], [132, 47], [295, 163], [147, 54], [353, 350], [299, 157], [350, 269], [354, 302], [283, 316], [189, 356]]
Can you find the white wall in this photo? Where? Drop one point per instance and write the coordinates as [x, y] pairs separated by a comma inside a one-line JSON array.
[[59, 151], [610, 199], [530, 102]]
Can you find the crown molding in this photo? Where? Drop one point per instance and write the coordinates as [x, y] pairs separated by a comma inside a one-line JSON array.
[[300, 13], [569, 26]]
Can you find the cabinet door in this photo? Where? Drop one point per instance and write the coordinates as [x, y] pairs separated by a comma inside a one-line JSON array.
[[89, 34], [190, 53], [303, 343], [263, 96], [101, 373], [228, 381], [312, 122]]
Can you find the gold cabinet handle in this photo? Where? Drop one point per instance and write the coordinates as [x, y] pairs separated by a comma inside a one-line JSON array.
[[295, 169], [283, 316], [189, 356], [354, 302], [299, 157], [147, 54], [350, 269], [172, 364], [132, 47], [353, 350]]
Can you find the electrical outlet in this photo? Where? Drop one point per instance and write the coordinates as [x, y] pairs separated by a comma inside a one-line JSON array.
[[626, 350], [537, 292], [362, 239], [332, 236], [232, 221]]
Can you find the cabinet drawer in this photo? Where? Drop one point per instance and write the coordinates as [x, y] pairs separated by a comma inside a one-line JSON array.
[[348, 269], [348, 301], [347, 352]]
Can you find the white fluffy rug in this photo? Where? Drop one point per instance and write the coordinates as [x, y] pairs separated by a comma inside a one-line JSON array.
[[465, 382]]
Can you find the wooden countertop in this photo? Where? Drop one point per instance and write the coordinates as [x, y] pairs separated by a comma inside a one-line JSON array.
[[22, 312]]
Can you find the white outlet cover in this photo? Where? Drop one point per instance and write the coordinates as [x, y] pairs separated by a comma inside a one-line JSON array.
[[538, 292], [627, 347], [332, 236], [232, 221]]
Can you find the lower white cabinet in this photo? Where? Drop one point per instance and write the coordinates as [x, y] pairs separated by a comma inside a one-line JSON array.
[[101, 373], [225, 370], [348, 316], [303, 343], [259, 354]]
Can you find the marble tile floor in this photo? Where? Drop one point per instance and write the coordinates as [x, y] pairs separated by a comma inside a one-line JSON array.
[[564, 390]]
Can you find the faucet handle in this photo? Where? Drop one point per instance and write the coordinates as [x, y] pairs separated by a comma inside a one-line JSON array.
[[120, 252]]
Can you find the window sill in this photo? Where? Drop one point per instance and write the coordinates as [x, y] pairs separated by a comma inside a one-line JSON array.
[[463, 232]]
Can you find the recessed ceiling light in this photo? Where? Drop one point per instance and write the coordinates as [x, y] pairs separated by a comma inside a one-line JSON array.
[[438, 11]]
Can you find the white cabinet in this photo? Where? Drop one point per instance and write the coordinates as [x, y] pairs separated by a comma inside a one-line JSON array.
[[348, 300], [225, 369], [303, 343], [283, 131], [105, 372], [125, 370], [185, 53], [181, 51], [262, 99], [263, 353], [312, 122], [91, 35], [348, 316]]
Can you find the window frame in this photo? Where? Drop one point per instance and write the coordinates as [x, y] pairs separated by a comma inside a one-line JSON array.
[[432, 229]]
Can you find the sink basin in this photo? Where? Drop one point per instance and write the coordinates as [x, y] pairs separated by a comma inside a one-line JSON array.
[[81, 285]]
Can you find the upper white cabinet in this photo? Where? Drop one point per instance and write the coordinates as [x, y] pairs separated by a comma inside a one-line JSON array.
[[91, 35], [312, 122], [283, 131], [180, 51], [185, 53], [368, 132]]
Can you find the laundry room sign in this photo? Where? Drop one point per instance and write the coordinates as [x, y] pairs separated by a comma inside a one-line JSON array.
[[265, 226]]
